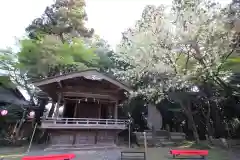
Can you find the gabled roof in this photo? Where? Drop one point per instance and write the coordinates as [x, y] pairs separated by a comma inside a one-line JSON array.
[[92, 74], [9, 92], [8, 96]]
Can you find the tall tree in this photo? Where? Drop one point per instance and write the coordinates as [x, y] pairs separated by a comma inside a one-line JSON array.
[[49, 57], [56, 43], [65, 18], [176, 50]]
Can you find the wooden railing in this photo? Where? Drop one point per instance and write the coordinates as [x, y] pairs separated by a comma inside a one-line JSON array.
[[88, 123]]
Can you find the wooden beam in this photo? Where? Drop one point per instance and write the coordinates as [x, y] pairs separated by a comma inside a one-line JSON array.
[[92, 89], [80, 81], [103, 101], [90, 95]]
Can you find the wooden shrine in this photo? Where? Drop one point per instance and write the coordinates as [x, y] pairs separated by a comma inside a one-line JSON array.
[[90, 102]]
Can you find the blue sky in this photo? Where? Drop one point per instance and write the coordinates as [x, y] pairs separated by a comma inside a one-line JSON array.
[[108, 17]]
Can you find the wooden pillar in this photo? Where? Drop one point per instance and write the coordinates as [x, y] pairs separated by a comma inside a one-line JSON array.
[[74, 116], [64, 109], [58, 104], [109, 112], [96, 136], [75, 110], [99, 110], [116, 138], [116, 111]]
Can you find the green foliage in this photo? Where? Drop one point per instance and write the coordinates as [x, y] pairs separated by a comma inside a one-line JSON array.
[[8, 60], [5, 80], [189, 144], [102, 50], [233, 63], [64, 18], [37, 57], [9, 63]]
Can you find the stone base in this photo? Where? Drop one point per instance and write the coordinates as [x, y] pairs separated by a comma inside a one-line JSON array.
[[82, 137], [80, 147]]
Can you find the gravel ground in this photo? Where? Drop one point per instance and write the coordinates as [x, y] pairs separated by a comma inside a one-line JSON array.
[[114, 154]]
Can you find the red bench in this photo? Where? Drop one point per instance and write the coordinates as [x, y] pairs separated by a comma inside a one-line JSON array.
[[50, 157], [202, 153]]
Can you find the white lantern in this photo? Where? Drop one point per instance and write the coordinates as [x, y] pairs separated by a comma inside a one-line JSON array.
[[31, 114], [4, 112]]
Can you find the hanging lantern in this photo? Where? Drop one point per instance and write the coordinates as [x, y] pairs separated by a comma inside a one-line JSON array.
[[4, 112], [32, 114]]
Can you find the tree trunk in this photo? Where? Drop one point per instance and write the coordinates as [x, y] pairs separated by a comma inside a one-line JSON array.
[[185, 102], [208, 124], [209, 128], [189, 115], [194, 127], [219, 130]]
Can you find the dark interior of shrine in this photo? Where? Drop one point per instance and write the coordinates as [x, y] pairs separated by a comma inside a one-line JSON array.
[[89, 109]]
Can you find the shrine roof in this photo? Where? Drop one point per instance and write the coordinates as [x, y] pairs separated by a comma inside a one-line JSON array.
[[91, 74]]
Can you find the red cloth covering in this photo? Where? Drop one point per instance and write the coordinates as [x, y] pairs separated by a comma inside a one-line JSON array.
[[50, 157], [189, 152]]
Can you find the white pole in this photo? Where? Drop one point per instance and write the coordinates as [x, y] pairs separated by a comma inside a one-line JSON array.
[[129, 134], [29, 147], [145, 143]]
